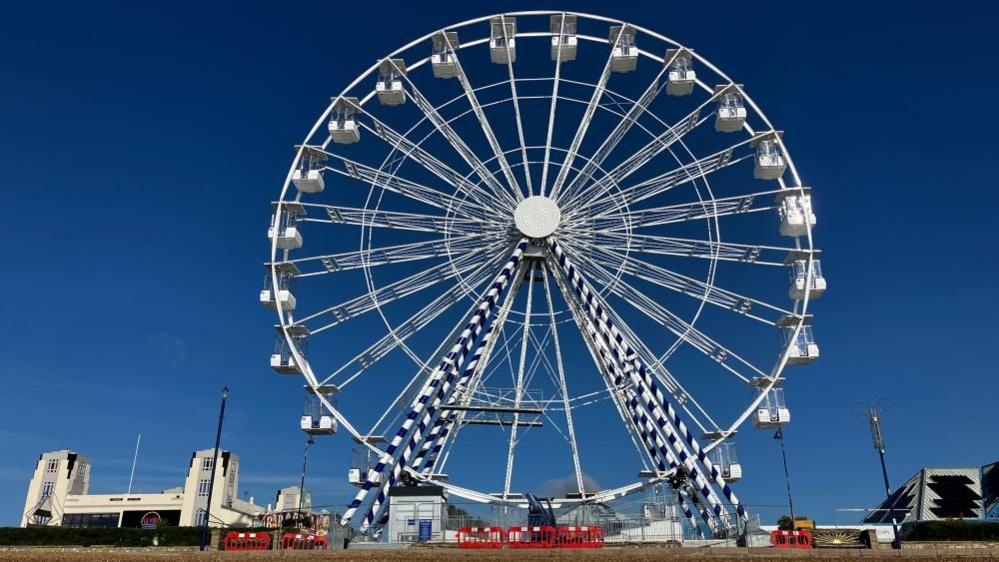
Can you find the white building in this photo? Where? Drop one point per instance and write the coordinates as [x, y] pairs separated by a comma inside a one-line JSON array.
[[57, 496]]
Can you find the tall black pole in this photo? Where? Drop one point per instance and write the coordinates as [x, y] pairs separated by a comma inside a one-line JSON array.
[[301, 490], [215, 460], [787, 475], [879, 444]]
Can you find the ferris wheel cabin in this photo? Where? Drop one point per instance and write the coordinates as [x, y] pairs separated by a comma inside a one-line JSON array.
[[772, 412], [802, 278], [769, 162], [284, 225], [624, 53], [316, 420], [308, 176], [389, 85], [730, 115], [362, 459], [502, 40], [794, 209], [681, 77], [343, 126], [726, 458], [564, 40], [443, 59], [283, 359], [271, 296], [803, 349]]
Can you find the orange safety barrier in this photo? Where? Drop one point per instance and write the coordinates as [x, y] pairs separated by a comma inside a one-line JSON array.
[[800, 539], [579, 537], [304, 541], [530, 537], [480, 537], [246, 541]]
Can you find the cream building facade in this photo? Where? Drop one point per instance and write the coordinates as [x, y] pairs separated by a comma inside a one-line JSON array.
[[58, 496]]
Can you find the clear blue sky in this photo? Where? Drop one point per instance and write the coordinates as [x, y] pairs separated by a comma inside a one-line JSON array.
[[141, 146]]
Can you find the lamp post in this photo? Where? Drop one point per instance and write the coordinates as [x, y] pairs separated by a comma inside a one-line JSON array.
[[215, 460], [301, 490], [779, 436], [879, 444]]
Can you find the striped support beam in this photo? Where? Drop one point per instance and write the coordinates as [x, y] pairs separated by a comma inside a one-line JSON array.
[[449, 362], [647, 431], [597, 311], [435, 439]]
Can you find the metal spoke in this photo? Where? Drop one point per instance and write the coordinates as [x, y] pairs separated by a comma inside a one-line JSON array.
[[620, 130], [410, 189], [363, 361], [416, 153], [487, 129], [644, 155], [374, 257], [562, 385], [466, 153], [519, 388], [691, 287], [680, 328], [686, 247], [378, 218], [340, 313], [551, 109], [678, 176], [584, 124], [683, 212]]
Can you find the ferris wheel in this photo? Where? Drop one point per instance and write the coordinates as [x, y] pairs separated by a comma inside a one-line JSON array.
[[513, 233]]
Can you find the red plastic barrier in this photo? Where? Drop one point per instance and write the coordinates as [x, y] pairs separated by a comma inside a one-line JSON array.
[[579, 537], [480, 537], [304, 541], [800, 539], [530, 537], [246, 541]]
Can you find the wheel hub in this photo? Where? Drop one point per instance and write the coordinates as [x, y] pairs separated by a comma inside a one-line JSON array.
[[537, 217]]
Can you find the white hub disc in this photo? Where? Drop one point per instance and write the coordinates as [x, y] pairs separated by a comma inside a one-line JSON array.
[[537, 217]]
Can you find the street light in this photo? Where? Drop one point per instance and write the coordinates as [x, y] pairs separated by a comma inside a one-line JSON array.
[[215, 460], [874, 416], [301, 490]]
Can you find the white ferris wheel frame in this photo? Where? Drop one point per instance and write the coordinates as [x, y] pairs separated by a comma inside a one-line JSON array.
[[800, 307]]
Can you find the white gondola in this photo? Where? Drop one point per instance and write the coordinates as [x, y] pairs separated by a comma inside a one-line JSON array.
[[800, 277], [316, 419], [284, 226], [502, 40], [731, 113], [343, 126], [308, 176], [726, 458], [564, 40], [803, 349], [282, 359], [794, 210], [362, 459], [443, 60], [681, 77], [389, 85], [283, 295], [772, 413], [769, 162], [624, 53]]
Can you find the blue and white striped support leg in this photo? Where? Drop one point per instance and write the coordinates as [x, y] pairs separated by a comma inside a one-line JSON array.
[[625, 353], [448, 363], [647, 429]]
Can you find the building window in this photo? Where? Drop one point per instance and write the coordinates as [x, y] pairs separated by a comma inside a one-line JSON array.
[[47, 489], [199, 518], [52, 465], [206, 463], [79, 520], [203, 487]]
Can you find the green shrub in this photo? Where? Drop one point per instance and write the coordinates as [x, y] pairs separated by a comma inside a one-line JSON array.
[[97, 536], [958, 530]]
